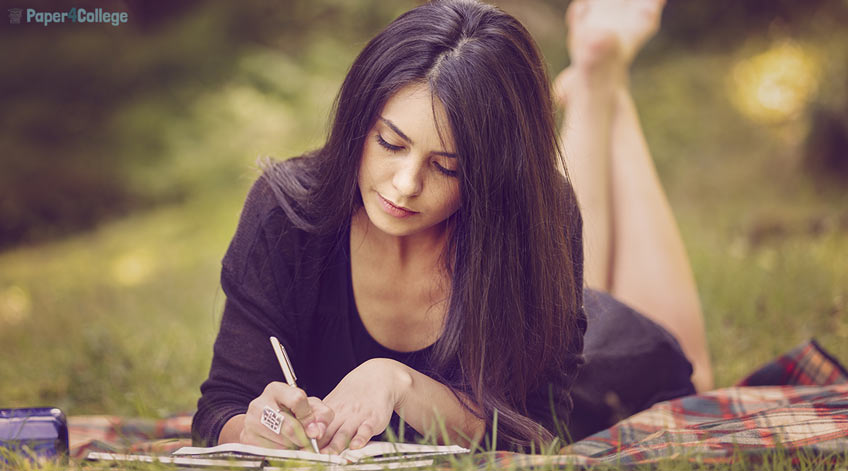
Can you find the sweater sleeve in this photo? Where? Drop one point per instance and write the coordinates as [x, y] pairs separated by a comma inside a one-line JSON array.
[[243, 362]]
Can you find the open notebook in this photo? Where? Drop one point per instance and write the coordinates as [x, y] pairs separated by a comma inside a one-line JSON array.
[[376, 450], [379, 455]]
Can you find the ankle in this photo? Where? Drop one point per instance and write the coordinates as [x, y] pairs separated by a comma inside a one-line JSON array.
[[588, 81], [599, 52]]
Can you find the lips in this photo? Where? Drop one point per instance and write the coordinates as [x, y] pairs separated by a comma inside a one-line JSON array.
[[394, 210]]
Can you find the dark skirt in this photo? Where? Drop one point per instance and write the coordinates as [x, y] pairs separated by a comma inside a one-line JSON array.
[[631, 364]]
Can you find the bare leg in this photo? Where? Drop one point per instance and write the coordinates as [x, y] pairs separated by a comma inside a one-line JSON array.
[[604, 37], [587, 141], [652, 271], [634, 249]]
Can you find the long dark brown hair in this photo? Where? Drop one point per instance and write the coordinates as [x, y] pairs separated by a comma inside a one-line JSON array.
[[516, 270]]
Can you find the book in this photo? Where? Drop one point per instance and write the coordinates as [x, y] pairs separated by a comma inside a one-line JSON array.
[[375, 451]]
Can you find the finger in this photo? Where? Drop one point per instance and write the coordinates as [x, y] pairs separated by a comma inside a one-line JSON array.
[[291, 401], [363, 434], [329, 433], [323, 418], [294, 431], [292, 398], [257, 430], [341, 438], [295, 400]]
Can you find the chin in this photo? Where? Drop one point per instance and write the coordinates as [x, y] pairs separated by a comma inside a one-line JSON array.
[[387, 225], [394, 228]]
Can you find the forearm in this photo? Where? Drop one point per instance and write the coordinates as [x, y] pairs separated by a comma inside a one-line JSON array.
[[431, 408]]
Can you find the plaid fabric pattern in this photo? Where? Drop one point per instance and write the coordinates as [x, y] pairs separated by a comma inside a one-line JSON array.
[[807, 364], [716, 427], [807, 412]]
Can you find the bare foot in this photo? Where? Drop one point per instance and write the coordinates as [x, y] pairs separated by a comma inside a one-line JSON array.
[[604, 37], [621, 27]]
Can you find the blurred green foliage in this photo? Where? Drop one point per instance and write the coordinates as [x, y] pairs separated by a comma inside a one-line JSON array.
[[721, 24], [99, 121], [102, 121]]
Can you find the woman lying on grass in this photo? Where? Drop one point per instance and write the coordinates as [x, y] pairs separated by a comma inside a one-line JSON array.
[[427, 262]]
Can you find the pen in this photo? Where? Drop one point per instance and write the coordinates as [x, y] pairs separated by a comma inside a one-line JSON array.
[[288, 372]]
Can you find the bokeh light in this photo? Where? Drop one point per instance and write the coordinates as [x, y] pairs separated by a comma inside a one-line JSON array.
[[775, 86], [15, 305], [133, 268]]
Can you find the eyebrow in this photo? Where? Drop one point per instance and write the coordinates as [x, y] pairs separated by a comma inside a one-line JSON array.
[[407, 139]]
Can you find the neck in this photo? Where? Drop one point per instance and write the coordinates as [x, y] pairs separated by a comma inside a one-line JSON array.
[[399, 252]]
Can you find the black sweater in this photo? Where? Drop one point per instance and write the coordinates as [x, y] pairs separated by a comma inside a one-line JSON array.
[[297, 286], [284, 282]]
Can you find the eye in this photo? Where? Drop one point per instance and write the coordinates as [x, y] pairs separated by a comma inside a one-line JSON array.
[[394, 148], [450, 173], [387, 146]]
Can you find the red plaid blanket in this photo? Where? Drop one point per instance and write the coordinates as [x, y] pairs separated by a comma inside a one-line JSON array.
[[798, 402]]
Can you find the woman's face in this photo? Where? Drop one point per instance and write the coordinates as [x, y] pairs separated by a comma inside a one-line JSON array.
[[407, 179]]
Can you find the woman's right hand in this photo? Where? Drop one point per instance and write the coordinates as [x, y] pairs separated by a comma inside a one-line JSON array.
[[304, 418]]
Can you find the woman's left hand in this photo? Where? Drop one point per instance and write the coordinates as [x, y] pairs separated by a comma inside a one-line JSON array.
[[363, 403]]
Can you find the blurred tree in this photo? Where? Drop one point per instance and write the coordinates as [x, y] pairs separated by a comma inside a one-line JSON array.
[[827, 144], [723, 23], [70, 154], [148, 16], [825, 153], [63, 166], [67, 153]]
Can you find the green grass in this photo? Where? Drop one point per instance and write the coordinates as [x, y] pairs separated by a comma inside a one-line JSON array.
[[121, 320]]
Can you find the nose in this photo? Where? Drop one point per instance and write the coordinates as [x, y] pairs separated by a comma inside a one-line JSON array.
[[408, 178]]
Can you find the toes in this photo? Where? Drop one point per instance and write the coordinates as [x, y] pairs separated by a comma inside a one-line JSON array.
[[576, 9]]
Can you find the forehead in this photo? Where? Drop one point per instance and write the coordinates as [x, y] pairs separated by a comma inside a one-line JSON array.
[[412, 110]]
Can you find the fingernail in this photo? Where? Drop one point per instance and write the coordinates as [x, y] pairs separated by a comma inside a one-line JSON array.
[[322, 428], [356, 443], [313, 430]]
